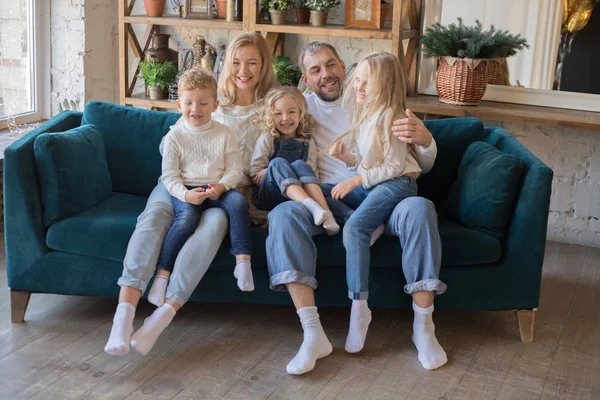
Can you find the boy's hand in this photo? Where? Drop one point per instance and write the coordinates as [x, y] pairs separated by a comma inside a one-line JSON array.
[[196, 196], [259, 177], [346, 186], [411, 130], [215, 190]]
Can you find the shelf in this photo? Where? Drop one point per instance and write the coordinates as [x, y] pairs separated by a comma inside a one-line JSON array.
[[327, 30], [139, 99], [508, 112], [176, 21]]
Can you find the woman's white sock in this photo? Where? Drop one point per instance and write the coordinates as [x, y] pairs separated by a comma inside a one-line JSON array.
[[315, 209], [243, 274], [120, 333], [360, 318], [143, 340], [330, 225], [158, 291], [315, 344], [431, 354]]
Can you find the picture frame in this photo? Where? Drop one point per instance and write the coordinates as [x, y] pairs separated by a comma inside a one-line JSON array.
[[363, 14], [198, 9]]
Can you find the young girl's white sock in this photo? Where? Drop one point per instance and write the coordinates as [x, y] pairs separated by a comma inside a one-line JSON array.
[[330, 225], [431, 354], [315, 209], [315, 344], [158, 290], [360, 318], [377, 234], [120, 333], [243, 274], [143, 340]]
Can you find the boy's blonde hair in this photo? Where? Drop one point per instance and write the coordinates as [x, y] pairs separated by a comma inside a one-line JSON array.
[[264, 118], [266, 80], [386, 91], [197, 78]]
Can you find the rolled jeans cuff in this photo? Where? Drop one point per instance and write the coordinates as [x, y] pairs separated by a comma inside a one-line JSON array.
[[358, 295], [134, 283], [287, 182], [174, 297], [278, 281], [310, 179], [426, 285]]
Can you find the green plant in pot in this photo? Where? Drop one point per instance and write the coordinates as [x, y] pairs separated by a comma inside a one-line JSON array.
[[319, 10], [302, 12], [278, 10], [287, 74], [464, 54], [158, 76]]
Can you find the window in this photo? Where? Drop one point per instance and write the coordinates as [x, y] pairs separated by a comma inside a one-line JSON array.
[[24, 64]]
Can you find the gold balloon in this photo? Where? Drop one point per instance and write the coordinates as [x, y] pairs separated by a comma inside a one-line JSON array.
[[576, 14]]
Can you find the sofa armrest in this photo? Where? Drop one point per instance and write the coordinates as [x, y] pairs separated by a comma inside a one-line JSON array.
[[24, 231]]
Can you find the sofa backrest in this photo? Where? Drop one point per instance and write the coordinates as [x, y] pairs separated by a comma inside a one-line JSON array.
[[452, 137], [131, 139]]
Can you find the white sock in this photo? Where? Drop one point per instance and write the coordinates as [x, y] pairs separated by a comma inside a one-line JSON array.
[[143, 340], [360, 318], [315, 209], [118, 341], [315, 344], [377, 234], [329, 224], [158, 290], [243, 274], [431, 354]]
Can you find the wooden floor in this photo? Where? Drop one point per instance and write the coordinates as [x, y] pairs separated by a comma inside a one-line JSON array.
[[240, 352]]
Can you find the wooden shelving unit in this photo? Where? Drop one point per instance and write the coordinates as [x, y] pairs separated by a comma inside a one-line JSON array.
[[403, 10]]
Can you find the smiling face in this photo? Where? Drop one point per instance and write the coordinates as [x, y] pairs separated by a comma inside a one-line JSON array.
[[247, 65], [360, 84], [324, 74], [287, 115], [197, 105]]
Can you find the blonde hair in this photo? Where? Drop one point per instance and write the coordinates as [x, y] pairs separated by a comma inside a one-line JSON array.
[[386, 92], [266, 79], [264, 118], [197, 78]]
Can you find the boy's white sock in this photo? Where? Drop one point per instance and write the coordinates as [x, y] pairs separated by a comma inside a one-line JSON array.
[[360, 318], [329, 224], [158, 290], [315, 344], [377, 234], [315, 209], [120, 333], [243, 274], [431, 354], [143, 340]]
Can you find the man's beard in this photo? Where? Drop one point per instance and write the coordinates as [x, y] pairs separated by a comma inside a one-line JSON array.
[[330, 97]]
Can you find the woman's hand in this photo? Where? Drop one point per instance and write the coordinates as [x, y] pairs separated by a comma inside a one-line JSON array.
[[215, 190], [346, 186], [411, 130], [259, 177], [196, 196]]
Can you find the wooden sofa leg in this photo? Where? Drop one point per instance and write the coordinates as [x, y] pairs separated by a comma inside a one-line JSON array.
[[18, 305], [526, 320]]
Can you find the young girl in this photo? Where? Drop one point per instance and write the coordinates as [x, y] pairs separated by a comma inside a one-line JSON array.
[[387, 170], [284, 162]]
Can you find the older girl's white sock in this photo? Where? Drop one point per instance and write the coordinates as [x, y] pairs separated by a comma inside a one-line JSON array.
[[315, 344], [431, 354], [315, 209], [143, 340], [360, 318], [120, 333], [158, 290], [243, 274]]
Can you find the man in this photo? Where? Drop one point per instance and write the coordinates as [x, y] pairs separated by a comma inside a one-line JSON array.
[[292, 254]]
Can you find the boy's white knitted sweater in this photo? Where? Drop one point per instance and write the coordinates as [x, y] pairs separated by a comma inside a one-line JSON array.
[[195, 156]]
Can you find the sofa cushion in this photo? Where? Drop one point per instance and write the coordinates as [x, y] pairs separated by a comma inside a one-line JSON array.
[[483, 195], [131, 138], [102, 231], [72, 171], [452, 136]]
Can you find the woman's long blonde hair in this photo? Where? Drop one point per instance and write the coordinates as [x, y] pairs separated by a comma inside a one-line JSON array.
[[386, 92], [264, 118], [227, 87]]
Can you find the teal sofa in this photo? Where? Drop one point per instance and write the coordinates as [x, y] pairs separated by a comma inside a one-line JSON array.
[[82, 254]]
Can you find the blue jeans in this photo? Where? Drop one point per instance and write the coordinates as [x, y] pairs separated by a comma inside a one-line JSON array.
[[281, 174], [187, 217], [342, 209]]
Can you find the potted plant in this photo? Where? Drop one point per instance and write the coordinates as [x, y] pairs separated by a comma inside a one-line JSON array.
[[287, 74], [463, 53], [221, 9], [278, 10], [302, 12], [158, 76], [383, 13], [319, 10], [154, 8]]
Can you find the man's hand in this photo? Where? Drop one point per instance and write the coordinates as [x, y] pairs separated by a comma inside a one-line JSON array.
[[215, 190], [259, 177], [196, 196], [346, 186], [338, 150], [412, 130]]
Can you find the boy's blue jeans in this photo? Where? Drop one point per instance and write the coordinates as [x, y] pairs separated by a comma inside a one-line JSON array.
[[187, 217]]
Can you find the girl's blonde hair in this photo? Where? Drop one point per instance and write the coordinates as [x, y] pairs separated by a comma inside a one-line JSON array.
[[264, 118], [266, 79], [386, 92]]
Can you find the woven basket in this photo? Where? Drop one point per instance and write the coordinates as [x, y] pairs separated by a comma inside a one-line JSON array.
[[497, 72], [461, 81]]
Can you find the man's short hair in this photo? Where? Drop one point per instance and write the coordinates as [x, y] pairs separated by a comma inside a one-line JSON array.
[[312, 48]]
